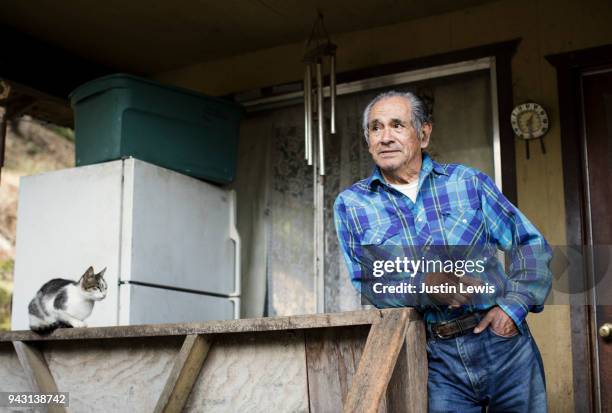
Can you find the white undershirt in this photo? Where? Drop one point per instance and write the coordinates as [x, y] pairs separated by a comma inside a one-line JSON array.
[[410, 190]]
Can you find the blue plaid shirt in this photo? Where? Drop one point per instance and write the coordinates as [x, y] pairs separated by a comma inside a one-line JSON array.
[[455, 205]]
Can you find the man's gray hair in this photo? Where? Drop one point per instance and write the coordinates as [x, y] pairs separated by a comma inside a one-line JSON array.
[[419, 111]]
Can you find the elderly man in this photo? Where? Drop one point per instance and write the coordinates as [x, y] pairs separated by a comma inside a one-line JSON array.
[[480, 352]]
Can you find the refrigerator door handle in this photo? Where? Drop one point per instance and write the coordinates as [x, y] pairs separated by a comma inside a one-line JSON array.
[[235, 237]]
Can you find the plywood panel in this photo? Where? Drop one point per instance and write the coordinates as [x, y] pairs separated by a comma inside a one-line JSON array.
[[12, 376], [253, 373], [187, 366], [125, 375], [36, 368]]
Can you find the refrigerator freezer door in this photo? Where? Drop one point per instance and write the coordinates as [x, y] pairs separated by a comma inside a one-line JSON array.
[[178, 231]]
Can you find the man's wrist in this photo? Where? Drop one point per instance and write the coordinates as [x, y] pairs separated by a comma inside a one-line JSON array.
[[514, 307]]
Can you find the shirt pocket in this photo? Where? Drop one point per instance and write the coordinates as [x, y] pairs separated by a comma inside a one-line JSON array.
[[382, 234], [463, 226], [379, 243]]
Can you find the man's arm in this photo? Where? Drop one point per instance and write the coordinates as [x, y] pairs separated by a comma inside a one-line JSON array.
[[347, 243], [359, 262], [529, 276]]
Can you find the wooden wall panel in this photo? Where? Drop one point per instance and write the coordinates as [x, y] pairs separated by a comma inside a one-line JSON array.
[[332, 358], [253, 373], [407, 391], [12, 376], [129, 374], [257, 365]]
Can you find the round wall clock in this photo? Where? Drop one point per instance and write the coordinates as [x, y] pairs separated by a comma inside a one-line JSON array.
[[529, 120]]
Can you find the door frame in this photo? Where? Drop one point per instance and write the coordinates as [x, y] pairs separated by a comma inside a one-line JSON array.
[[570, 66]]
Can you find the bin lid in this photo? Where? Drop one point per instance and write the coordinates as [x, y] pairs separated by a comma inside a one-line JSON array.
[[126, 81]]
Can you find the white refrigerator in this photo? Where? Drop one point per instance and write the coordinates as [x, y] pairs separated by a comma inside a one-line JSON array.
[[169, 242]]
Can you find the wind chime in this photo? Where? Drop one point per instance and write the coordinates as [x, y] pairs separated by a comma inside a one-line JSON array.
[[319, 48]]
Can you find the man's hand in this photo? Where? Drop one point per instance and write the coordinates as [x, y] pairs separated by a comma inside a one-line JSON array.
[[453, 300], [499, 321]]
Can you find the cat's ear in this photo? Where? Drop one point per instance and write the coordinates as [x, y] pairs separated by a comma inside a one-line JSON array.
[[89, 272], [101, 273]]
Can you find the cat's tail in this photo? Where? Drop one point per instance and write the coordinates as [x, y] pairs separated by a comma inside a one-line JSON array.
[[45, 329]]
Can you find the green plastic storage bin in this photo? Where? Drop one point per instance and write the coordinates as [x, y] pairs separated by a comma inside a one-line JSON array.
[[120, 115]]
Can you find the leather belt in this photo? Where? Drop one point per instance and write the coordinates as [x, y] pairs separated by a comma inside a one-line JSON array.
[[454, 328]]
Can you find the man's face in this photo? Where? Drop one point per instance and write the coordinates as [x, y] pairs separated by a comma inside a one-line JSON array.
[[393, 142]]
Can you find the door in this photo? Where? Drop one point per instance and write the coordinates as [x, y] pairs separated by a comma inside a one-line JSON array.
[[597, 121]]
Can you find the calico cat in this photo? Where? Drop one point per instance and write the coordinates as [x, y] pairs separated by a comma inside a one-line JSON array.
[[66, 303]]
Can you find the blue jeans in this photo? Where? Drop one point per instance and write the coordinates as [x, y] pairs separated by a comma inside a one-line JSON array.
[[486, 372]]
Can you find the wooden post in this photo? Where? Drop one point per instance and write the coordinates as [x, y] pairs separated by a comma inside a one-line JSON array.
[[37, 371], [386, 338], [3, 127], [186, 369], [12, 109], [5, 93]]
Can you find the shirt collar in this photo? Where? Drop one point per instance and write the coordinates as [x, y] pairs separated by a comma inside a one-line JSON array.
[[427, 167]]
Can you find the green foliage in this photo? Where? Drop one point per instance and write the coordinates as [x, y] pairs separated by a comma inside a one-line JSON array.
[[66, 133], [6, 289], [5, 307], [6, 269]]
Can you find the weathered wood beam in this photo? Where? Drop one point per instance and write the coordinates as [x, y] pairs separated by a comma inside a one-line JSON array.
[[42, 106], [349, 318], [184, 373], [377, 363], [12, 109], [407, 390], [3, 129], [37, 371]]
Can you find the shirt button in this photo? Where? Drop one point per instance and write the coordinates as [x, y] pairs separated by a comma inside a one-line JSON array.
[[420, 219], [378, 240], [464, 221]]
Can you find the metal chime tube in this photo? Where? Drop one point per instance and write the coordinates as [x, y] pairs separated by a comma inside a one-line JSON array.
[[308, 114], [332, 92], [320, 119]]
